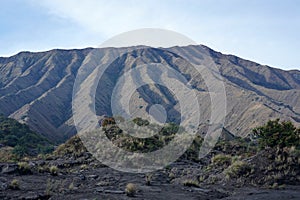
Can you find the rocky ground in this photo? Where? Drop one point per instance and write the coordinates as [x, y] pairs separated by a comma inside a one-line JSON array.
[[234, 169], [85, 178]]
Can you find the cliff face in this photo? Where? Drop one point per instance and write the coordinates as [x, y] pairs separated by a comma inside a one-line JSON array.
[[37, 88]]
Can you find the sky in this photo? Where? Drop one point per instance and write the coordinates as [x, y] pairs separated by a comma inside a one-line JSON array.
[[264, 31]]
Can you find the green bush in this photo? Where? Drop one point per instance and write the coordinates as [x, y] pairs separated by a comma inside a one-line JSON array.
[[278, 134]]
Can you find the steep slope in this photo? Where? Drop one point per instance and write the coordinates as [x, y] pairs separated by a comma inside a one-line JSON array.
[[36, 88], [255, 93]]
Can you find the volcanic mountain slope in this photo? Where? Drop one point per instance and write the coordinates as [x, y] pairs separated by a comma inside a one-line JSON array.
[[37, 88]]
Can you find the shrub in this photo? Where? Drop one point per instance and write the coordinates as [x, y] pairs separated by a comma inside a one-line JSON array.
[[84, 166], [237, 169], [191, 183], [130, 189], [202, 178], [275, 133], [55, 186], [71, 186], [73, 147], [148, 179], [221, 160], [14, 184], [24, 168], [53, 170], [41, 169]]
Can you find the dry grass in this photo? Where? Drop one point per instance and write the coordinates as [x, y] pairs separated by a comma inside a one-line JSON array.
[[130, 189], [53, 170], [24, 167], [14, 184], [237, 169], [6, 154], [191, 183], [221, 160]]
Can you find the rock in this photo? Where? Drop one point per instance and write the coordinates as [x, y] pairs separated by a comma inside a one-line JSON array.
[[82, 177], [40, 162], [10, 169], [99, 190], [31, 165], [103, 183], [3, 185], [93, 176], [202, 190]]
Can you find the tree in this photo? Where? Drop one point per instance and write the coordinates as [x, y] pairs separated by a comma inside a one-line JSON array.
[[277, 134]]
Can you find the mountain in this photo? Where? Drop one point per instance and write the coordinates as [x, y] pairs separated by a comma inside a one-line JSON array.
[[37, 88]]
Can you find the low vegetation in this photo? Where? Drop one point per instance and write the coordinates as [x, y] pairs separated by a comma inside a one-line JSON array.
[[237, 162], [190, 183], [131, 189], [14, 184], [142, 145], [148, 179], [238, 169], [53, 170], [24, 168], [221, 159], [73, 147]]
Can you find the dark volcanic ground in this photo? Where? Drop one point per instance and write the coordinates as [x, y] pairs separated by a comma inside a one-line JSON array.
[[230, 171], [94, 181]]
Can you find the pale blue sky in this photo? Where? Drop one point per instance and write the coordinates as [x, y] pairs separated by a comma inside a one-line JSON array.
[[265, 31]]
